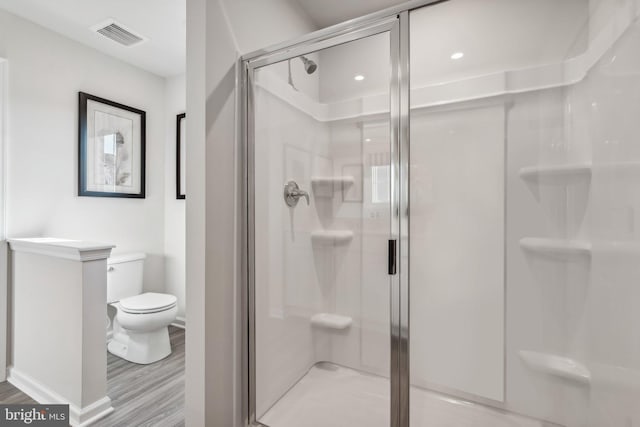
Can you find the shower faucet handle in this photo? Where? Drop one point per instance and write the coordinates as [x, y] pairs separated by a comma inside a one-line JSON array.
[[292, 194]]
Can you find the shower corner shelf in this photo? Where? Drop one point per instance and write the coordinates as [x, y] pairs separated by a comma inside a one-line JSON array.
[[330, 180], [557, 248], [577, 172], [559, 366], [556, 174], [331, 236], [324, 186], [331, 321]]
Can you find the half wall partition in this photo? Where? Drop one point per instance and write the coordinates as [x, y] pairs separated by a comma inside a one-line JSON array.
[[464, 168]]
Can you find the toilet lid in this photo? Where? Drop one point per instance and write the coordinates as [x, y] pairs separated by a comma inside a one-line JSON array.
[[147, 302]]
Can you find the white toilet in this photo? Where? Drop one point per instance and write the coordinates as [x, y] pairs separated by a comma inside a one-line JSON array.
[[140, 332]]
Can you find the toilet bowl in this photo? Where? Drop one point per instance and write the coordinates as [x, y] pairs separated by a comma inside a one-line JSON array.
[[140, 332], [140, 326]]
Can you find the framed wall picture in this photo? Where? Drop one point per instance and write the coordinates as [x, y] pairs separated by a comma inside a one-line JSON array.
[[181, 156], [111, 158]]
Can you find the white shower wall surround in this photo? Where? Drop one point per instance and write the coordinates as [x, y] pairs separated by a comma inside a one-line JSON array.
[[524, 226], [318, 276]]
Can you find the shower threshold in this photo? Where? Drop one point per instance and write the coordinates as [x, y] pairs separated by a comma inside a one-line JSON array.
[[334, 396]]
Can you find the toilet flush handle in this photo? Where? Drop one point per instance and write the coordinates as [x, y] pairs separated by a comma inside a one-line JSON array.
[[111, 268]]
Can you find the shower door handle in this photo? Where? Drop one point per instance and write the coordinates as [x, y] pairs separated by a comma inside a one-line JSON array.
[[392, 257]]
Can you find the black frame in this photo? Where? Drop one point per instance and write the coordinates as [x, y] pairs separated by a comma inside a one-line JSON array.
[[82, 147], [179, 118]]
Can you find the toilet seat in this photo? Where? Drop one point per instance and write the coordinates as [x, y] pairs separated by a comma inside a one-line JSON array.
[[149, 302]]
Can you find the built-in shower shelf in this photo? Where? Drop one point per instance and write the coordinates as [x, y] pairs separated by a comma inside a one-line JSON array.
[[331, 180], [559, 366], [331, 236], [563, 174], [568, 250], [331, 321], [557, 248], [325, 186], [556, 174]]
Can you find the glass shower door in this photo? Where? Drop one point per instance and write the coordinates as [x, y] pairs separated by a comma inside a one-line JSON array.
[[320, 194], [525, 213]]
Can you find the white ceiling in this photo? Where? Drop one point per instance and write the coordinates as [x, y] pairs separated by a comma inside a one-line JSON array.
[[329, 12], [161, 21]]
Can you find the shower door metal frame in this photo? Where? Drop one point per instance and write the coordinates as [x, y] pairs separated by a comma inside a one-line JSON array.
[[395, 21]]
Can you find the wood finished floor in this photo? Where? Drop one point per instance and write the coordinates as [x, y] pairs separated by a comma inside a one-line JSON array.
[[142, 395]]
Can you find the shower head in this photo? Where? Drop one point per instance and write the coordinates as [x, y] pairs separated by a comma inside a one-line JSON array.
[[309, 65]]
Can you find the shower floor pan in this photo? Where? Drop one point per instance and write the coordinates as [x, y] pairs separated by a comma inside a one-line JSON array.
[[334, 396]]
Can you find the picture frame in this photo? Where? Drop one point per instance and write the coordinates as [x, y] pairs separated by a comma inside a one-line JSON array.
[[111, 148], [181, 157]]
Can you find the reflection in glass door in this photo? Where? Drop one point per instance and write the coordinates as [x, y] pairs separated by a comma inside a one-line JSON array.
[[320, 191]]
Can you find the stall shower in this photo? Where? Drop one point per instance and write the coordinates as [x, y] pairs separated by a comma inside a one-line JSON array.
[[443, 218]]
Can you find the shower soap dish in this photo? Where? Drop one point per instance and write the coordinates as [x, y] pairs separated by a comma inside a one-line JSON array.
[[557, 248], [324, 186], [556, 174], [331, 321], [560, 366], [331, 236]]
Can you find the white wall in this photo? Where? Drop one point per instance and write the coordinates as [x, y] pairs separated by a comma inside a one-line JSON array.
[[535, 289], [457, 248], [291, 145], [195, 274], [46, 73], [257, 24], [3, 254], [4, 128], [602, 310], [585, 307], [174, 209], [214, 39], [361, 283]]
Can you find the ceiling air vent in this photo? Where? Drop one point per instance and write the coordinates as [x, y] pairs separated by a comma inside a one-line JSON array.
[[118, 33]]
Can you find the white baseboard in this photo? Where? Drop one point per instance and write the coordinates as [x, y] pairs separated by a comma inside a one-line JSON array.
[[180, 322], [93, 412], [79, 417]]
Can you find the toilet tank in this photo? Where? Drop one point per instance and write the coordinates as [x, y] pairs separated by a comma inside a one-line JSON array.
[[124, 276]]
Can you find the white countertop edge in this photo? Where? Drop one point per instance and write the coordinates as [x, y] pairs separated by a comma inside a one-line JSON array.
[[77, 250]]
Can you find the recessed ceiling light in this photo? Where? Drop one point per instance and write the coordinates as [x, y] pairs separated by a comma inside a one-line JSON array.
[[358, 78], [367, 140], [457, 55]]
